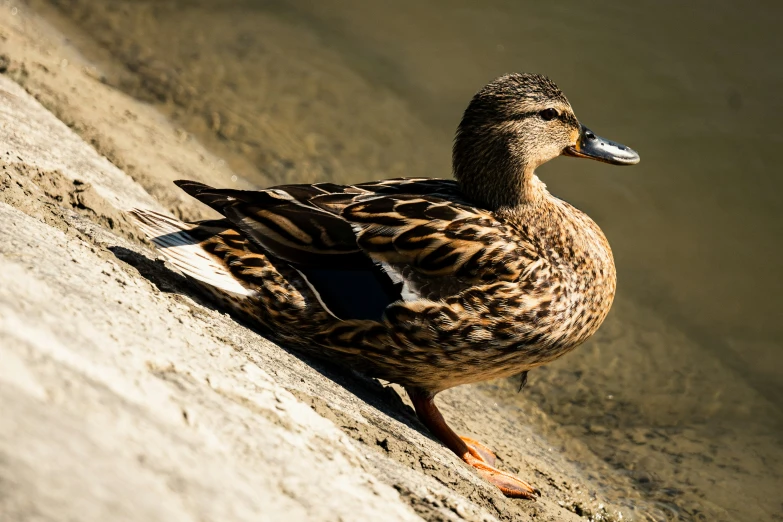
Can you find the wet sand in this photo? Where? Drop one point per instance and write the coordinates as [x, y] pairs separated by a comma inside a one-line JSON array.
[[671, 410]]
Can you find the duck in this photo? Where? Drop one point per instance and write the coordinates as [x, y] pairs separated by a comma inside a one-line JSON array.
[[425, 282]]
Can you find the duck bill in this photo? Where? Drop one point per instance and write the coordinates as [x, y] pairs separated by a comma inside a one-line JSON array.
[[595, 147]]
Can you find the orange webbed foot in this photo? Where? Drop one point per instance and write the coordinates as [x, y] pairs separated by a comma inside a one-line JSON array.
[[471, 451], [483, 460]]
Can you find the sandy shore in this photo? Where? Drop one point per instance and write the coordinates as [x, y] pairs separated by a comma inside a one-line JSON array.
[[126, 397]]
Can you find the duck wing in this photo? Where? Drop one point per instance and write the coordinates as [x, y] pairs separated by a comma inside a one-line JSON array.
[[362, 247], [318, 244]]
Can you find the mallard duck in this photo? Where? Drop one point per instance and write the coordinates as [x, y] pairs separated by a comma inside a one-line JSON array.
[[429, 283]]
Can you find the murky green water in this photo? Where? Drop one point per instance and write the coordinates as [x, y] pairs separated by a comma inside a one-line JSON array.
[[681, 389]]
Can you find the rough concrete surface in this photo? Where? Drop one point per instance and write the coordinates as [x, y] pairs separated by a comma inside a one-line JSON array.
[[125, 396]]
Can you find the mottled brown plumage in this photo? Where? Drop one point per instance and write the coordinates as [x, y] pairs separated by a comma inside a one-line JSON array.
[[478, 278]]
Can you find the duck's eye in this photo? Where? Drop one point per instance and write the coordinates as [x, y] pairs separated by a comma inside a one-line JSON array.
[[548, 114]]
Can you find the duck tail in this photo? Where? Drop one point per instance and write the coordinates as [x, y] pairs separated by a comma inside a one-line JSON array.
[[180, 246]]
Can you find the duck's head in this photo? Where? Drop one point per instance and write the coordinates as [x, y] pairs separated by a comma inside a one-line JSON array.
[[512, 126]]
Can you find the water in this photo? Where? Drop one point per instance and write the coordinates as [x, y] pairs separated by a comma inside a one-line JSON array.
[[681, 389]]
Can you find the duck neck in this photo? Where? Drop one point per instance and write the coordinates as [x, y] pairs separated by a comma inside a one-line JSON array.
[[502, 186], [500, 176], [532, 191]]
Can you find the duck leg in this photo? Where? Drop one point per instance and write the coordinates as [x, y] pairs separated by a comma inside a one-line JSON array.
[[472, 452]]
